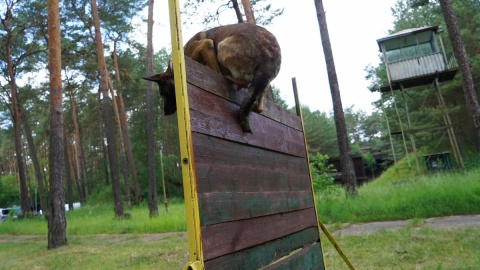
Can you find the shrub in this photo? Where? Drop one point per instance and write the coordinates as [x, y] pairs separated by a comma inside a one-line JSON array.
[[322, 174]]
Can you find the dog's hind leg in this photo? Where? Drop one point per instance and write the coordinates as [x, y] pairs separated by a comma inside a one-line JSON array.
[[258, 107], [256, 92], [203, 51]]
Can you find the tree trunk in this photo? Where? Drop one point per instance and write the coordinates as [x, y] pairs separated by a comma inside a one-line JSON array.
[[124, 125], [248, 11], [463, 65], [57, 223], [107, 110], [27, 175], [348, 171], [122, 146], [152, 183], [79, 164], [24, 204], [36, 165], [68, 175], [128, 148], [237, 11]]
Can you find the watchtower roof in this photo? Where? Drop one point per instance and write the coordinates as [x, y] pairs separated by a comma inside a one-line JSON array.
[[405, 32]]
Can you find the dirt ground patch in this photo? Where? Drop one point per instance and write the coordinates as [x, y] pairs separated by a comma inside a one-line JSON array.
[[448, 222]]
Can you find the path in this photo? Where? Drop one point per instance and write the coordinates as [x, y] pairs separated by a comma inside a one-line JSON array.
[[448, 222]]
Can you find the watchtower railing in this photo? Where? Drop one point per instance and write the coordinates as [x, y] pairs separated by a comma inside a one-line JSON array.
[[421, 66]]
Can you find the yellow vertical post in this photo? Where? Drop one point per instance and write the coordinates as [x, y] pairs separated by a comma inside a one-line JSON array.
[[299, 113], [185, 138], [320, 226]]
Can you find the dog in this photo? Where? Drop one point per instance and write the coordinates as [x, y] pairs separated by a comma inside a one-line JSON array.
[[246, 54]]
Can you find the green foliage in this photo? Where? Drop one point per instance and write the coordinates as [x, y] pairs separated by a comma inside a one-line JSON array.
[[320, 132], [222, 12], [369, 162], [471, 159], [277, 98], [8, 190], [322, 174], [422, 102], [173, 177]]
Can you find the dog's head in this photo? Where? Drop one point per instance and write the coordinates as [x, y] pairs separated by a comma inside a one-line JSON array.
[[167, 89]]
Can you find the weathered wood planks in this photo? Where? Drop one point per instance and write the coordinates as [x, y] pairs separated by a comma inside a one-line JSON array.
[[254, 192], [262, 255]]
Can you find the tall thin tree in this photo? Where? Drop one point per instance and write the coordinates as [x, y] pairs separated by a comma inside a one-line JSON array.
[[107, 110], [11, 32], [68, 175], [348, 171], [152, 182], [124, 126], [36, 164], [121, 145], [79, 165], [463, 65], [57, 222]]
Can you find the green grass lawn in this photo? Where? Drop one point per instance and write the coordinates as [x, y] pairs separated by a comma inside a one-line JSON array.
[[409, 248], [98, 241], [104, 251], [99, 219], [404, 198]]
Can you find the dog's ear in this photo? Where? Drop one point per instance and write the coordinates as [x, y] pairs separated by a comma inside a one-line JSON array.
[[159, 78], [169, 70]]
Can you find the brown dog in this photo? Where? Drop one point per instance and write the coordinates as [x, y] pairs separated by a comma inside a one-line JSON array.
[[246, 54]]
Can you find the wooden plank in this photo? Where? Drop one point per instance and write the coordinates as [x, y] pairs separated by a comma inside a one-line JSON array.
[[262, 255], [222, 166], [224, 238], [215, 116], [310, 257], [219, 177], [222, 207], [204, 78]]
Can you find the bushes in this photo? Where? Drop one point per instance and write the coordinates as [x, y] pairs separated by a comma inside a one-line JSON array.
[[322, 174], [8, 190]]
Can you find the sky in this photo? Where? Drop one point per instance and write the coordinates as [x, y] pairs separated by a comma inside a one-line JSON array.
[[353, 26]]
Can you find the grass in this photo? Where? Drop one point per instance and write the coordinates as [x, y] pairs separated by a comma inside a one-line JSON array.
[[404, 198], [408, 248], [129, 251], [99, 219], [97, 241]]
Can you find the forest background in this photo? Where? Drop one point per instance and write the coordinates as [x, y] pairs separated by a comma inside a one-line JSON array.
[[88, 173]]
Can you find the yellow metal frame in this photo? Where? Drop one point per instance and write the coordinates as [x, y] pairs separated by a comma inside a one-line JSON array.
[[299, 113], [320, 226], [185, 137]]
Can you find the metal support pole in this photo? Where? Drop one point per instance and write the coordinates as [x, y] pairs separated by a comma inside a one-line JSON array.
[[165, 201], [448, 124], [410, 133], [389, 133], [395, 105], [401, 129]]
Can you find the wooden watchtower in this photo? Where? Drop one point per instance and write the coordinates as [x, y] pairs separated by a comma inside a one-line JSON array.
[[413, 57]]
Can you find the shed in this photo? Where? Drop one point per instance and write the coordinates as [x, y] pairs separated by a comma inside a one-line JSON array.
[[438, 162]]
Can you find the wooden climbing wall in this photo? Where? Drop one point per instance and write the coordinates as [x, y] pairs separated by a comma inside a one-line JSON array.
[[255, 200]]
